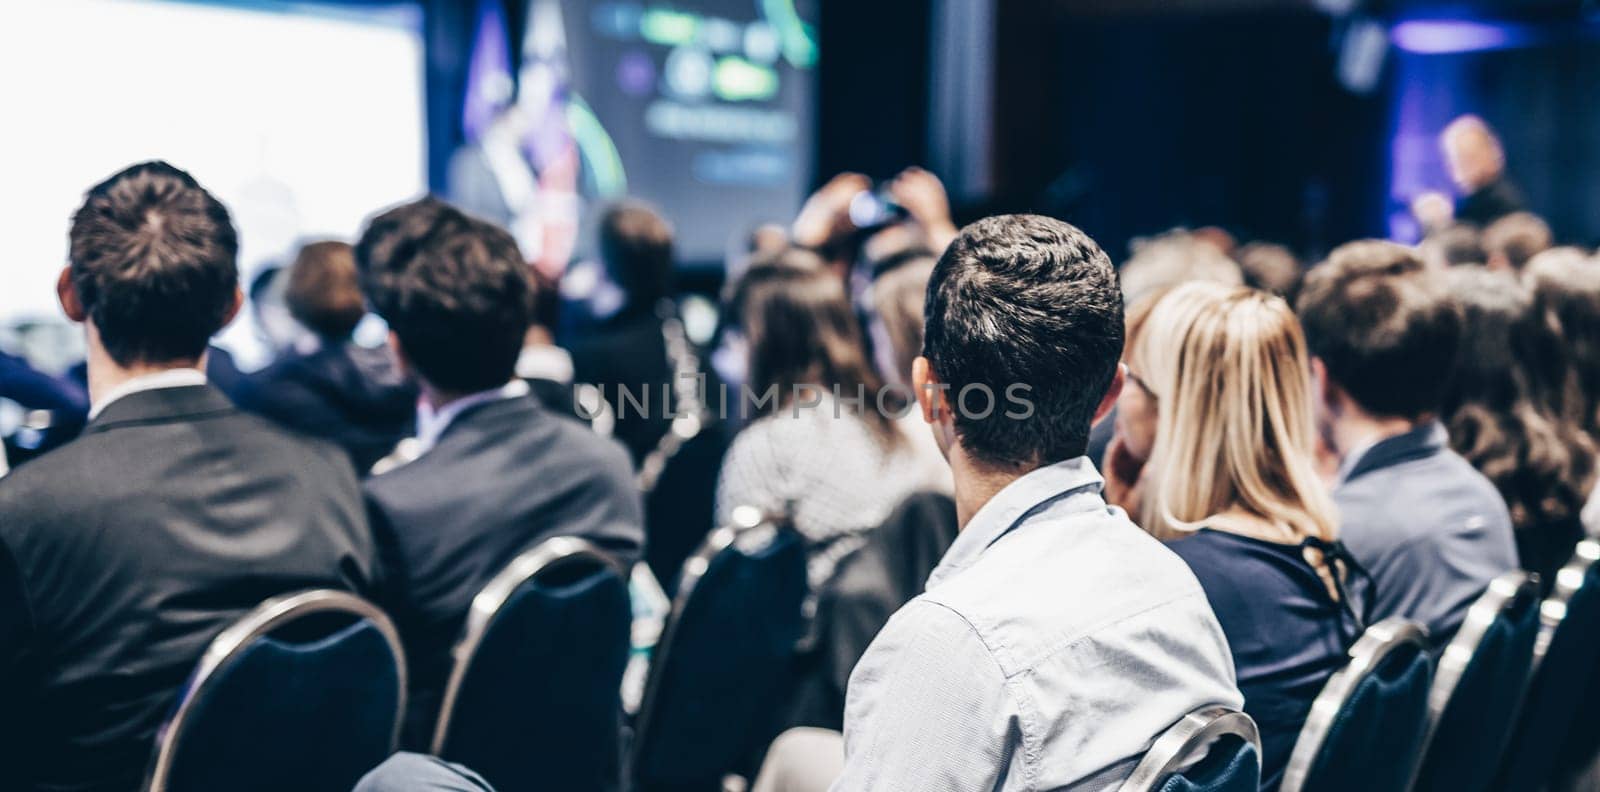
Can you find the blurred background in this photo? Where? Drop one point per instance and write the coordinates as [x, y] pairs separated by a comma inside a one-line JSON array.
[[1306, 122]]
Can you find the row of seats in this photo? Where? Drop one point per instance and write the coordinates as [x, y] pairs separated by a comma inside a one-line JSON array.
[[307, 691], [1499, 709]]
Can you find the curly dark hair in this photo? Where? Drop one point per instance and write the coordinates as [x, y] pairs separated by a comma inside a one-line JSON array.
[[1505, 416]]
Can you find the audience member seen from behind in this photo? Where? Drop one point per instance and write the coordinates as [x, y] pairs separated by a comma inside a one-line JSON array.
[[123, 553], [1233, 486], [334, 388], [1514, 239], [985, 681], [821, 443], [1175, 257], [897, 297], [1506, 415], [1566, 290], [498, 469], [1454, 246], [1430, 529], [1477, 165], [628, 348], [1512, 415]]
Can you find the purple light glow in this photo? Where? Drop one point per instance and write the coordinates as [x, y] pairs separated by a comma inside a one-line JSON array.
[[1441, 36]]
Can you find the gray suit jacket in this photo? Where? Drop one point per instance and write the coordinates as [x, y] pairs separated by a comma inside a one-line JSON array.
[[123, 553], [1429, 527]]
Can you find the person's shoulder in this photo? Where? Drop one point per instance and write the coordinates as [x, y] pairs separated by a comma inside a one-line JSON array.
[[315, 453], [929, 627]]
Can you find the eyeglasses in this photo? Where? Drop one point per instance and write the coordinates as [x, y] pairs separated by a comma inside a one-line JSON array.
[[1144, 386]]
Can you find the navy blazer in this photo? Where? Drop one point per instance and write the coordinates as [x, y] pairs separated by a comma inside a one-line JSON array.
[[349, 395], [1430, 529], [504, 476]]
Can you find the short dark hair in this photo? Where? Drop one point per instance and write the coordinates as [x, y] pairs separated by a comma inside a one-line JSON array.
[[154, 263], [389, 243], [324, 292], [636, 249], [454, 289], [1023, 299], [1385, 328]]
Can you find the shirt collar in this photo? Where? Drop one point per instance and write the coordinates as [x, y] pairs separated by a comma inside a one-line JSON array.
[[432, 423], [170, 378], [1010, 506], [1425, 439]]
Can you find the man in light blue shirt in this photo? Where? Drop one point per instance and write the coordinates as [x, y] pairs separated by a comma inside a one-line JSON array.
[[1056, 639]]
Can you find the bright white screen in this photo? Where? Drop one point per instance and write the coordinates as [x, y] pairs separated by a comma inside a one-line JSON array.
[[302, 123]]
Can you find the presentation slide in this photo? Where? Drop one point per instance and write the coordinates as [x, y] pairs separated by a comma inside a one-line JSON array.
[[701, 107], [302, 119]]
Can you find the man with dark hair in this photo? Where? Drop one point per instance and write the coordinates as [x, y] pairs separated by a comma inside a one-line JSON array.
[[1430, 529], [498, 472], [332, 388], [628, 349], [1055, 639], [123, 553]]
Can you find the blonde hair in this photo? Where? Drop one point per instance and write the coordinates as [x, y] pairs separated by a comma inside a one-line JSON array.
[[1230, 372]]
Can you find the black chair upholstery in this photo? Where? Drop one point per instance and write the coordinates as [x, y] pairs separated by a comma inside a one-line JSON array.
[[1553, 731], [1215, 749], [303, 693], [534, 698], [714, 693], [1366, 728], [1479, 685], [867, 587]]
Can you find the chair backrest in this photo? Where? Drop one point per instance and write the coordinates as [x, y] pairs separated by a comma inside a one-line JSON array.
[[533, 699], [718, 676], [1478, 686], [1550, 731], [1366, 727], [305, 692], [1215, 749]]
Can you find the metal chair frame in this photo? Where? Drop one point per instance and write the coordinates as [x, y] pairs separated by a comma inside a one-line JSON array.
[[746, 520], [1504, 594], [551, 554], [238, 636], [1569, 579], [1187, 742], [1370, 650]]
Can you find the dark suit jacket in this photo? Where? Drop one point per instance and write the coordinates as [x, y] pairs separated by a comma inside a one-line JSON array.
[[503, 476], [1430, 529], [349, 395], [123, 553], [1489, 203], [65, 400], [629, 352]]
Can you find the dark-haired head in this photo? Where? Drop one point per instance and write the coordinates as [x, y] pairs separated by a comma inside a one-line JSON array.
[[636, 249], [1023, 300], [1566, 293], [153, 266], [1385, 330], [1511, 370], [802, 331], [455, 292]]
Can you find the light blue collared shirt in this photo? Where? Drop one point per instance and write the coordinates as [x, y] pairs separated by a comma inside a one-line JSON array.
[[1054, 642]]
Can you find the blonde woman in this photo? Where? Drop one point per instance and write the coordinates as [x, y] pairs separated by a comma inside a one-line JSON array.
[[1231, 485]]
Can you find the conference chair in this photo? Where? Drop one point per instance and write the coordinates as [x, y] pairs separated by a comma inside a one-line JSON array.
[[716, 685], [533, 700], [1366, 727], [305, 692], [1478, 686], [1215, 749], [1556, 731]]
